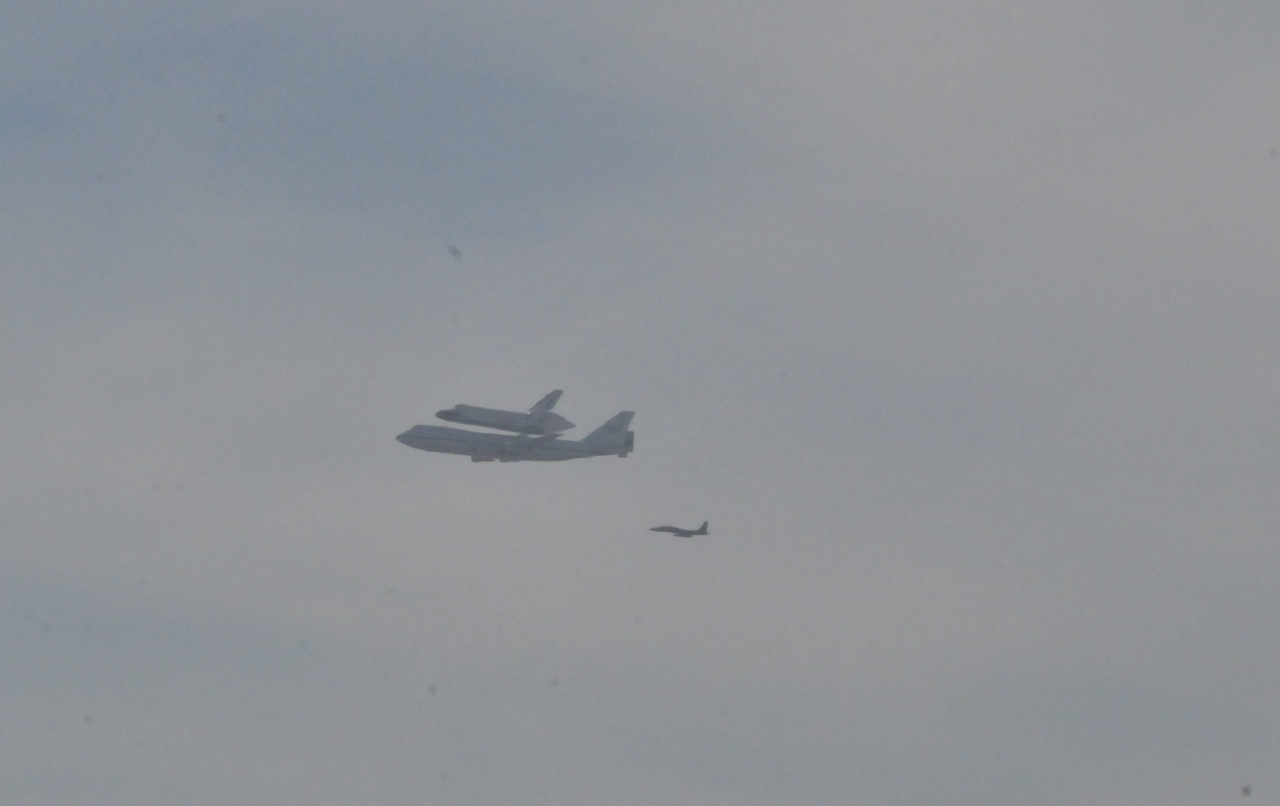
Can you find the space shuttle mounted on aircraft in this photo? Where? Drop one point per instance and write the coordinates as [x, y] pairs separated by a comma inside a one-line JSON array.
[[610, 439], [539, 420]]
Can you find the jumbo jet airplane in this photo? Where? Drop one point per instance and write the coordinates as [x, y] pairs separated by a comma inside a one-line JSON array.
[[678, 532], [539, 420], [610, 439]]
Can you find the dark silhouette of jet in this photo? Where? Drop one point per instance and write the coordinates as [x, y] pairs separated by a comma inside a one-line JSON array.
[[678, 532]]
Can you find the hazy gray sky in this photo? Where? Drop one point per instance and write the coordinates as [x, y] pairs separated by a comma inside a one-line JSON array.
[[959, 322]]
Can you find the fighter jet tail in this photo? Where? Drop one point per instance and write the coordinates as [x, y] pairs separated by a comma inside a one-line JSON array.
[[613, 436]]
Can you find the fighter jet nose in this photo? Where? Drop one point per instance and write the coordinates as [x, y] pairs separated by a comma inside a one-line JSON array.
[[447, 414], [404, 438]]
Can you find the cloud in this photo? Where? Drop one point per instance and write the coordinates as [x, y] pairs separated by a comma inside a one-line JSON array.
[[955, 323]]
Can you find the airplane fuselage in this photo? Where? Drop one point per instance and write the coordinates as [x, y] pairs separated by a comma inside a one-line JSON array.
[[483, 447], [678, 532]]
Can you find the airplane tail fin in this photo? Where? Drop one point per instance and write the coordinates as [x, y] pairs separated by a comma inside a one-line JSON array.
[[703, 529], [547, 402], [613, 436]]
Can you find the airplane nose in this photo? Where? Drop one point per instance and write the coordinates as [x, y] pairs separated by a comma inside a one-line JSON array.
[[447, 414], [404, 438]]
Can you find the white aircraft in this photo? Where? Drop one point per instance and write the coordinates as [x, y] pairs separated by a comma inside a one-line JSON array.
[[539, 420], [610, 439]]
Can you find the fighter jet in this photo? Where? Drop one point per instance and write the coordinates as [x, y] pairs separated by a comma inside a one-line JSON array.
[[539, 420], [610, 439], [678, 532]]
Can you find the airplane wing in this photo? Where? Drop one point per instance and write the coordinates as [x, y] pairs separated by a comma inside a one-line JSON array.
[[521, 445]]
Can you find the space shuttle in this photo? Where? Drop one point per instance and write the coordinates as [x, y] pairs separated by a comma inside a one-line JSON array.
[[538, 421]]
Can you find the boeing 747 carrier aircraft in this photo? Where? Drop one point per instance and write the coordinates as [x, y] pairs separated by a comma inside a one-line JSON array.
[[610, 439]]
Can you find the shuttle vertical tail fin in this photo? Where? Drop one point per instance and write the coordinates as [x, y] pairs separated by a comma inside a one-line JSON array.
[[547, 402]]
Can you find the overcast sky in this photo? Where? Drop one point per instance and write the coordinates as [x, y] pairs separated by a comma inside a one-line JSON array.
[[959, 322]]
